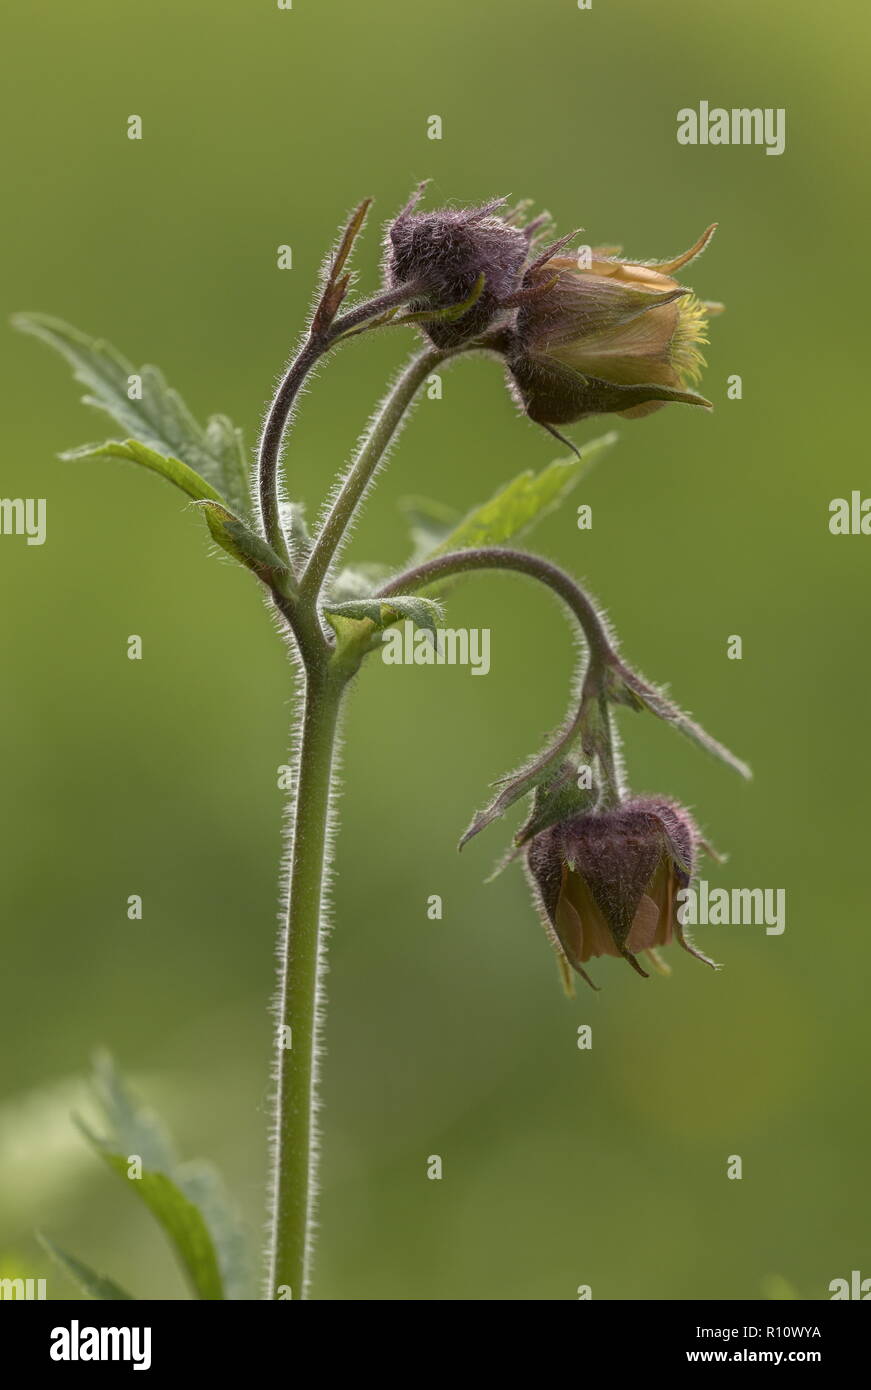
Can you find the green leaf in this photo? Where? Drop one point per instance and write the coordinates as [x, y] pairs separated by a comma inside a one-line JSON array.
[[170, 468], [428, 522], [354, 638], [93, 1284], [381, 613], [234, 536], [129, 1125], [203, 1186], [182, 1221], [188, 1200], [521, 503], [160, 420], [359, 623]]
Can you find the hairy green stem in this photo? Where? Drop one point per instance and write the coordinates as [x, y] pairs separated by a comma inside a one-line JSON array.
[[299, 1001], [441, 567], [299, 1004], [271, 438], [601, 652], [300, 990], [364, 467], [317, 343]]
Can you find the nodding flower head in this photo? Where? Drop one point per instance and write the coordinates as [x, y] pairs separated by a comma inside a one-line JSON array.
[[596, 335], [607, 882], [447, 252]]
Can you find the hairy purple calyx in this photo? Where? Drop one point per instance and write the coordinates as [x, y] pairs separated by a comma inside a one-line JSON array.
[[446, 252]]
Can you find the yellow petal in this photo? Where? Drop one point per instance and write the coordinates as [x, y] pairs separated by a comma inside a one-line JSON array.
[[581, 926], [630, 353], [643, 932], [649, 276]]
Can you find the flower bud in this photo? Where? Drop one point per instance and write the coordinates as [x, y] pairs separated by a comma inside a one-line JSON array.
[[446, 252], [615, 337], [607, 882]]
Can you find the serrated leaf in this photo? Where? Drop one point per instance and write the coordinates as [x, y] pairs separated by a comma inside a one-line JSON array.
[[134, 452], [132, 1126], [522, 502], [188, 1200], [237, 539], [93, 1284], [160, 420]]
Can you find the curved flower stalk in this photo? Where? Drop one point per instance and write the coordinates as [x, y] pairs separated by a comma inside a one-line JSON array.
[[577, 780], [608, 336]]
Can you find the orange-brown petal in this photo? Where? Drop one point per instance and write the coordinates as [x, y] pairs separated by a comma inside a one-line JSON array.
[[580, 923]]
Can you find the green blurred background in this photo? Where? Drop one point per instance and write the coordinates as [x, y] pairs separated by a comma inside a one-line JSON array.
[[561, 1167]]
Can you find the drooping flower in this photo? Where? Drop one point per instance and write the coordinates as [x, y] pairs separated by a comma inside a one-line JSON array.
[[609, 336], [612, 336], [607, 882], [581, 335]]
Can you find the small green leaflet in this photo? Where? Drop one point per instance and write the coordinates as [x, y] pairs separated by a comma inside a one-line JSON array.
[[160, 420], [243, 544], [93, 1284], [182, 1222], [383, 612], [188, 1200]]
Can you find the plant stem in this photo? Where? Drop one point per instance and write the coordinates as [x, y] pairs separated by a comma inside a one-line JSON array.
[[440, 567], [364, 467], [316, 344], [270, 444], [602, 656], [299, 1004]]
